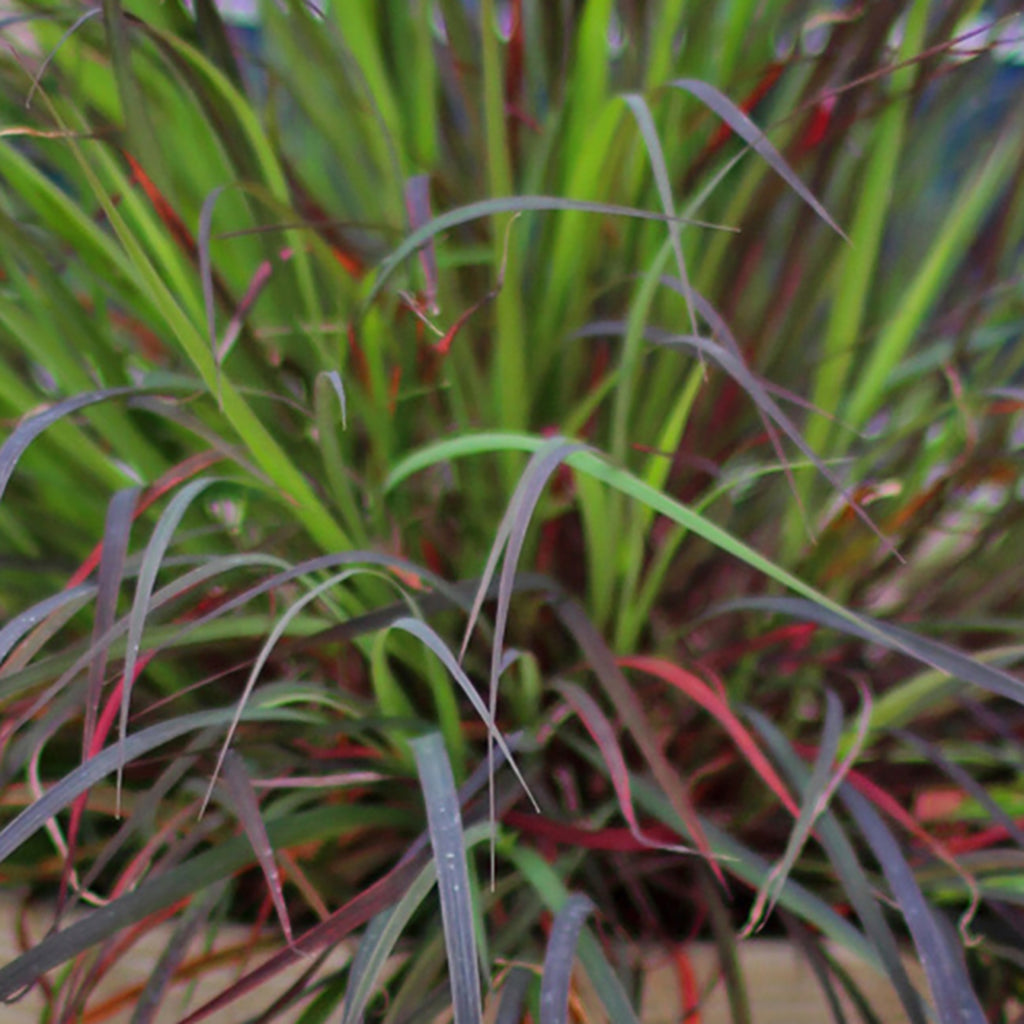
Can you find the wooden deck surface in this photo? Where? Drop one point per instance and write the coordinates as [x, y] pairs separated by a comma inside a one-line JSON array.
[[782, 988]]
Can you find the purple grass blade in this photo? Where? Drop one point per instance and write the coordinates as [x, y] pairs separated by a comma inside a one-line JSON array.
[[966, 781], [742, 125], [417, 204], [116, 535], [206, 267], [444, 822], [923, 649], [31, 427], [937, 947], [559, 957], [152, 558], [110, 760], [17, 627], [513, 996], [247, 808]]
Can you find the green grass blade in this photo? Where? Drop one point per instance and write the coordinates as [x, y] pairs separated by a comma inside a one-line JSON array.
[[378, 944]]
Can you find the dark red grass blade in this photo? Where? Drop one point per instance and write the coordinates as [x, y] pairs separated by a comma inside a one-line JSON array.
[[610, 839], [165, 211], [634, 717], [699, 691], [342, 250], [603, 734]]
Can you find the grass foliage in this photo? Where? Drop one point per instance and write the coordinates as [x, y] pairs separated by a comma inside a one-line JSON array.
[[489, 481]]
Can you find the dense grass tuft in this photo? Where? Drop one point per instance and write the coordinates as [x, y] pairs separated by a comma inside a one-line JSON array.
[[564, 456]]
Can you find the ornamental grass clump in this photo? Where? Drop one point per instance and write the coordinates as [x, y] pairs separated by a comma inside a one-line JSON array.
[[490, 483]]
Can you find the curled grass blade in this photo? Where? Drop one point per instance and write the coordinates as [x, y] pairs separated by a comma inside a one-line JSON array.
[[510, 537], [488, 208], [814, 802], [446, 838], [29, 429], [433, 642]]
